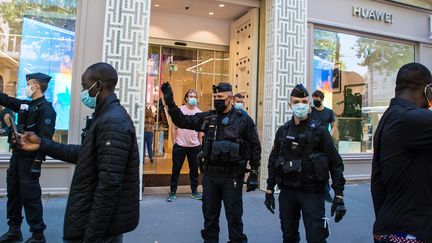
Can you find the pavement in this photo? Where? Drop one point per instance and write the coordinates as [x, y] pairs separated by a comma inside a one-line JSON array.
[[181, 221]]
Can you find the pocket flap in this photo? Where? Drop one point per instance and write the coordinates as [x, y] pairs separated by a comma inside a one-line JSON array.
[[235, 149]]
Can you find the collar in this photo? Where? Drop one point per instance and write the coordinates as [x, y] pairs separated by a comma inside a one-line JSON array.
[[403, 102], [302, 123], [38, 100], [105, 103]]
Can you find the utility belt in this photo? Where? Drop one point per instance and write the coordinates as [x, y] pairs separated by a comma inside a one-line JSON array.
[[222, 170], [225, 152], [312, 170]]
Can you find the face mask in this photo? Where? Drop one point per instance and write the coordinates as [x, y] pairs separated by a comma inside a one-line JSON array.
[[238, 106], [89, 101], [317, 103], [29, 92], [192, 101], [220, 105], [300, 110]]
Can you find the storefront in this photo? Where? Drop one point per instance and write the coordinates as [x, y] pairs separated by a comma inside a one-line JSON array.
[[351, 51], [355, 51]]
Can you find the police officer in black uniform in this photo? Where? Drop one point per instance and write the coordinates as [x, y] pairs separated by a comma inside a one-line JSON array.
[[23, 188], [303, 154], [230, 139]]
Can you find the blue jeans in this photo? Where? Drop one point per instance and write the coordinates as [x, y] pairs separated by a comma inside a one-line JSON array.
[[148, 143]]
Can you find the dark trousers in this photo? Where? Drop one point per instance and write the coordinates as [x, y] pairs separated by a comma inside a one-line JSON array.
[[148, 143], [23, 191], [179, 154], [229, 190], [311, 205], [112, 239]]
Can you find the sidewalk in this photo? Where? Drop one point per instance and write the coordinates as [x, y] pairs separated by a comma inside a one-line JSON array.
[[181, 221]]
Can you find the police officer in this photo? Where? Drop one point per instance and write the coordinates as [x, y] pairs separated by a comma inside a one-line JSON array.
[[303, 154], [23, 188], [230, 140]]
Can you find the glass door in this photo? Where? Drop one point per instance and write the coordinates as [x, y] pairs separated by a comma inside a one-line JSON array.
[[184, 68]]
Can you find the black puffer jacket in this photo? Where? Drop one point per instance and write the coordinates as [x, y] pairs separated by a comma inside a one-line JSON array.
[[104, 195]]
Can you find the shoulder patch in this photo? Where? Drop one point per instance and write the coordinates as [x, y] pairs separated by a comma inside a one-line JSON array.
[[47, 121]]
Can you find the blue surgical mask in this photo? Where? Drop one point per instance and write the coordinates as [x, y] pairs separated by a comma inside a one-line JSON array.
[[300, 110], [89, 101], [238, 106], [192, 101]]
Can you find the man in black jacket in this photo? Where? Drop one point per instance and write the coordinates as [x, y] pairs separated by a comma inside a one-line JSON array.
[[401, 182], [230, 139], [302, 157], [104, 196], [36, 115]]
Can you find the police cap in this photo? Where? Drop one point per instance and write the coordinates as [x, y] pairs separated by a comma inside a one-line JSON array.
[[299, 91], [39, 77], [222, 87]]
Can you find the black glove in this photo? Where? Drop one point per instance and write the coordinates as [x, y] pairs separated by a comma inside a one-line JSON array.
[[35, 171], [168, 94], [252, 181], [270, 202], [338, 207]]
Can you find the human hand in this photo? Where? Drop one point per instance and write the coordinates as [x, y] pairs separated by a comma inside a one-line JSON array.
[[167, 93], [270, 202], [29, 141], [338, 209], [252, 182]]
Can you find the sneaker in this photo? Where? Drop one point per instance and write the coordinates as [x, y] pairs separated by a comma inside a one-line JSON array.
[[13, 235], [171, 197], [196, 196]]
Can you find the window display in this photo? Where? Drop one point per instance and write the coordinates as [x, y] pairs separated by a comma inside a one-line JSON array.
[[357, 75], [38, 36]]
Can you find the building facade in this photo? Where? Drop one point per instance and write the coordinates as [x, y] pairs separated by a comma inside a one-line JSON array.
[[351, 50]]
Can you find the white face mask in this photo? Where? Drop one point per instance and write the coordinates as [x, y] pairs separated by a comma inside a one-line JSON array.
[[300, 110], [29, 91]]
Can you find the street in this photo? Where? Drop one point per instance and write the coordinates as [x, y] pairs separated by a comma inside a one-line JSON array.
[[181, 221]]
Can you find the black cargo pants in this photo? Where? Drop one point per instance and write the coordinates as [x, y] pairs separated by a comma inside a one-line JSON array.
[[23, 191], [229, 190], [311, 205]]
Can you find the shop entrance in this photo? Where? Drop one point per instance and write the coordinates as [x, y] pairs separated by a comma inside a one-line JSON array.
[[184, 68]]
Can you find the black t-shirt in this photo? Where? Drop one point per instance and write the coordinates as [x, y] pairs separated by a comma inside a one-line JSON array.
[[326, 116]]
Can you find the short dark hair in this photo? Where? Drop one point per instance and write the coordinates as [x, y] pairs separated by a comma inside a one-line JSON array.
[[238, 95], [412, 76], [43, 84], [187, 94], [318, 93], [104, 72]]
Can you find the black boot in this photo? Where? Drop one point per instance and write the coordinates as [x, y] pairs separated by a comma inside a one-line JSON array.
[[37, 237], [13, 235]]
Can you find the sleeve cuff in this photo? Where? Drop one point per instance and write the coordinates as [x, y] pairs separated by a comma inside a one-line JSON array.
[[44, 145], [339, 193]]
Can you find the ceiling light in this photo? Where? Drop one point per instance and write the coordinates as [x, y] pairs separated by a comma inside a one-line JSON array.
[[221, 5], [211, 13], [156, 5]]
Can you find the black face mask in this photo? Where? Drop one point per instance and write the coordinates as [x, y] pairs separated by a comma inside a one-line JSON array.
[[220, 105], [317, 103]]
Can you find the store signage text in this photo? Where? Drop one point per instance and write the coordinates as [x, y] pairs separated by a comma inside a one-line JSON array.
[[373, 14]]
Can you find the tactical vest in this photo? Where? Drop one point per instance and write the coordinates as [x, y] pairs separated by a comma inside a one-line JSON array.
[[29, 117], [301, 162], [223, 146]]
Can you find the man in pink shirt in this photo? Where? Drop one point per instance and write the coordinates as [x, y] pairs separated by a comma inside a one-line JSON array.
[[186, 143]]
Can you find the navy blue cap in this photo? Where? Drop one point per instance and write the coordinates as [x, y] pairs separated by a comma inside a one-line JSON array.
[[38, 76], [299, 91], [222, 87]]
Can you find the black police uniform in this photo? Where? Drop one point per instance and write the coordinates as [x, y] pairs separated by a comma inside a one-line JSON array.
[[230, 140], [299, 163], [23, 188]]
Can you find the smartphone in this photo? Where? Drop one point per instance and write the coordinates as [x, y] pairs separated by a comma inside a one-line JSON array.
[[14, 128]]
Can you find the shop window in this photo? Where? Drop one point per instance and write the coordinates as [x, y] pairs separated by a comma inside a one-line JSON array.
[[38, 36], [357, 75]]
